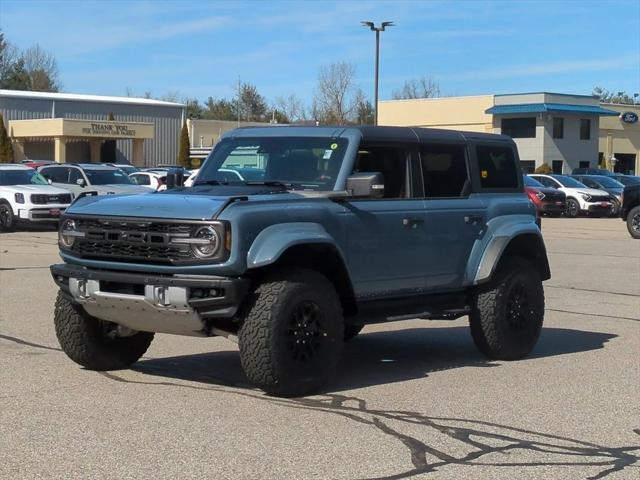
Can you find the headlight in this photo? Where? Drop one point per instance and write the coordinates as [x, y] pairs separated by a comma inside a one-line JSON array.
[[19, 198], [206, 242], [586, 197], [540, 195], [68, 233]]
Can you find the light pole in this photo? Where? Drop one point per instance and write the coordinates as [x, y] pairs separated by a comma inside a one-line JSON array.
[[379, 29]]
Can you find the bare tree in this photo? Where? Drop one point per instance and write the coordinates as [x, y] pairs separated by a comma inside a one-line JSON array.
[[291, 107], [9, 55], [423, 87], [42, 69], [334, 100]]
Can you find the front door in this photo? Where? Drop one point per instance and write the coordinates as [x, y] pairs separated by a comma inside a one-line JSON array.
[[386, 237]]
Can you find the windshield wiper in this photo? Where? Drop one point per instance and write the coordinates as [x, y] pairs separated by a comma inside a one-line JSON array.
[[211, 182], [269, 183]]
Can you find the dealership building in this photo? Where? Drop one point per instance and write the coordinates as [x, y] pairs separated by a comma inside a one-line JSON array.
[[74, 128], [561, 130]]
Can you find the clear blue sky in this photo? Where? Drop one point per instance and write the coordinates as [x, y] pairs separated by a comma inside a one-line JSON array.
[[199, 48]]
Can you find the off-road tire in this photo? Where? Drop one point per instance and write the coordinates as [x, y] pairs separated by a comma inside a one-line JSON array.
[[7, 218], [82, 338], [500, 328], [352, 331], [573, 208], [269, 349], [633, 222]]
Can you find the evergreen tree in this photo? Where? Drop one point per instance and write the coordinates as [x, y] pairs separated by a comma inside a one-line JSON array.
[[6, 149], [183, 152]]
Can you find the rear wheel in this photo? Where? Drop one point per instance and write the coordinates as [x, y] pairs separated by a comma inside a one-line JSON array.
[[573, 208], [507, 314], [93, 343], [292, 333], [633, 222], [7, 219]]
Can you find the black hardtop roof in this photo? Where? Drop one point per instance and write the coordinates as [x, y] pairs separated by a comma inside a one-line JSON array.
[[370, 133]]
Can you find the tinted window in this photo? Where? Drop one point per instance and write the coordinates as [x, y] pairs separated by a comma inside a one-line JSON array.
[[547, 182], [531, 182], [588, 182], [497, 167], [608, 182], [21, 177], [519, 127], [140, 179], [75, 175], [568, 181], [558, 127], [391, 162], [444, 170], [585, 129], [107, 177], [56, 174]]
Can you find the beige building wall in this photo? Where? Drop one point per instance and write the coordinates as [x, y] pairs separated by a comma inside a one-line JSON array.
[[206, 133], [619, 137], [455, 113]]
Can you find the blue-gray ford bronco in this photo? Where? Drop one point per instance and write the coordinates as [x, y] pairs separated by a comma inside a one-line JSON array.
[[322, 230]]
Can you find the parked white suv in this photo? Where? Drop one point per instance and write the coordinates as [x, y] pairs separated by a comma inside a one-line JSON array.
[[26, 196], [82, 178], [580, 198]]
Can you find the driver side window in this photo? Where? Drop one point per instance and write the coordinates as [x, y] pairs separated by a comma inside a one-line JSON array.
[[391, 162], [74, 176]]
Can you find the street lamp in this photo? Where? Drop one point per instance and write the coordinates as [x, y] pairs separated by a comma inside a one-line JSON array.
[[379, 29]]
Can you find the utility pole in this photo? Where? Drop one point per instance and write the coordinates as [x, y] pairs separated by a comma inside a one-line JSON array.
[[379, 29]]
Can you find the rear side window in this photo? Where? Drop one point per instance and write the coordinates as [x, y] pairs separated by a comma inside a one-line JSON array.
[[444, 170], [497, 167], [56, 174]]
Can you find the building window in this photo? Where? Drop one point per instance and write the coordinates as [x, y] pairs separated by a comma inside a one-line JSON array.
[[519, 127], [556, 166], [558, 127], [585, 164], [585, 129], [528, 166]]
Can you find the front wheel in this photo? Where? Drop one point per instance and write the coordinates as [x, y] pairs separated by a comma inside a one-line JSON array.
[[507, 314], [7, 219], [633, 222], [292, 333], [93, 343], [573, 208]]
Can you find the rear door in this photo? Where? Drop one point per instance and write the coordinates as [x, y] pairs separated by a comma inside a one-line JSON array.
[[59, 177], [386, 237], [454, 216]]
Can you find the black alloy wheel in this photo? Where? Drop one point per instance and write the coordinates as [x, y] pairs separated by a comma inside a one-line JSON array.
[[6, 217], [306, 332]]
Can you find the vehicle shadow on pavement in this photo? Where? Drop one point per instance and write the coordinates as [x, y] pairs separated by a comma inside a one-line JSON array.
[[379, 358]]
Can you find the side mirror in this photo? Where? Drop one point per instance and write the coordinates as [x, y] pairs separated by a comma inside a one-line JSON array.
[[81, 182], [175, 178], [366, 185]]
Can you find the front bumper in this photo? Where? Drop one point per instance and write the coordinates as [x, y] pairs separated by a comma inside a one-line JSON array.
[[179, 304], [553, 207], [599, 207], [49, 213]]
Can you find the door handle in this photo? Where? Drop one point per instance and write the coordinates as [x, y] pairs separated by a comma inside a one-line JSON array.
[[410, 222], [473, 219]]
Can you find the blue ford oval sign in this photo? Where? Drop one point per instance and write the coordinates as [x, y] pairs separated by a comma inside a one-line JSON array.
[[629, 117]]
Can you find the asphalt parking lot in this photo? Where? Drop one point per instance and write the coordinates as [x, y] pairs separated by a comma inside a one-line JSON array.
[[410, 399]]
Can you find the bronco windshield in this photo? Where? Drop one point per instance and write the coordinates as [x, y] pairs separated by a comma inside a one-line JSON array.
[[21, 177], [107, 177], [299, 163]]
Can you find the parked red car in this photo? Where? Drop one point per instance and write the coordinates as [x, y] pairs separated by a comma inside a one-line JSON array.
[[547, 200], [36, 163]]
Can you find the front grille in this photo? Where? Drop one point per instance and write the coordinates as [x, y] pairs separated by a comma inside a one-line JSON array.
[[42, 199], [600, 198], [133, 241]]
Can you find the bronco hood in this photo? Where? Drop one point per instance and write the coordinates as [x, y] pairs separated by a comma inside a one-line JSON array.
[[152, 205]]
